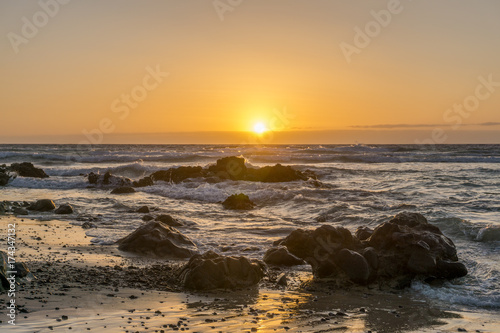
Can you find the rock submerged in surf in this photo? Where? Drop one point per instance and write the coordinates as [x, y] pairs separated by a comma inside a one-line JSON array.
[[24, 169], [210, 271], [27, 169], [158, 239], [395, 252], [238, 202], [123, 190], [232, 167]]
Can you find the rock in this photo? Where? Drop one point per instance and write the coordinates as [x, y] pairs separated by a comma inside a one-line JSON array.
[[274, 174], [371, 257], [394, 253], [143, 210], [317, 244], [146, 181], [213, 271], [447, 269], [363, 233], [43, 205], [158, 239], [179, 174], [4, 178], [231, 167], [23, 273], [238, 201], [354, 265], [282, 280], [123, 190], [169, 220], [147, 218], [93, 178], [64, 209], [26, 169], [280, 256], [88, 225], [20, 211]]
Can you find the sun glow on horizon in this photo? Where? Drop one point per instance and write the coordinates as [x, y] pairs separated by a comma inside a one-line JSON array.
[[259, 128]]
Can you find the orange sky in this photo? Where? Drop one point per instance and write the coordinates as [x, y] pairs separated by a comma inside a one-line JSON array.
[[100, 67]]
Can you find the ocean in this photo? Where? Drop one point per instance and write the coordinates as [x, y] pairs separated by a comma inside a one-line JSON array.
[[456, 187]]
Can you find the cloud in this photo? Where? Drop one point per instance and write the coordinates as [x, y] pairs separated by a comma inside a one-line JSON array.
[[401, 126], [491, 123]]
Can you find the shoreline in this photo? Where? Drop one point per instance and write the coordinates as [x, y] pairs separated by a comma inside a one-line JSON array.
[[86, 286]]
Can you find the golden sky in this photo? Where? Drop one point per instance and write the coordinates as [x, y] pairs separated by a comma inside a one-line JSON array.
[[319, 71]]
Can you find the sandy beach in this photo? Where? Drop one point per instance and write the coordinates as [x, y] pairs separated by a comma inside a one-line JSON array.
[[80, 286]]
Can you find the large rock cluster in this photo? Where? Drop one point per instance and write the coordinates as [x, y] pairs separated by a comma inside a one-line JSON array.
[[396, 251], [231, 167]]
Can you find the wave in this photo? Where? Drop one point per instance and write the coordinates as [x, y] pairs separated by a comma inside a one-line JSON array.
[[479, 232], [132, 170]]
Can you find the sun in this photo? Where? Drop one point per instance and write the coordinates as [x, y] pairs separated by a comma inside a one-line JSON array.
[[259, 128]]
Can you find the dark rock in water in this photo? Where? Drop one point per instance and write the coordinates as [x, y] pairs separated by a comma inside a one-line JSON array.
[[93, 178], [280, 256], [26, 169], [4, 178], [238, 201], [88, 225], [274, 174], [395, 252], [179, 174], [123, 190], [363, 233], [43, 205], [447, 269], [20, 211], [108, 179], [213, 271], [64, 209], [231, 167], [158, 239], [22, 272], [147, 218], [169, 220], [143, 210], [146, 181]]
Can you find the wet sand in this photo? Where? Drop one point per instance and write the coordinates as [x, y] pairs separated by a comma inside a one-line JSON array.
[[80, 287]]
